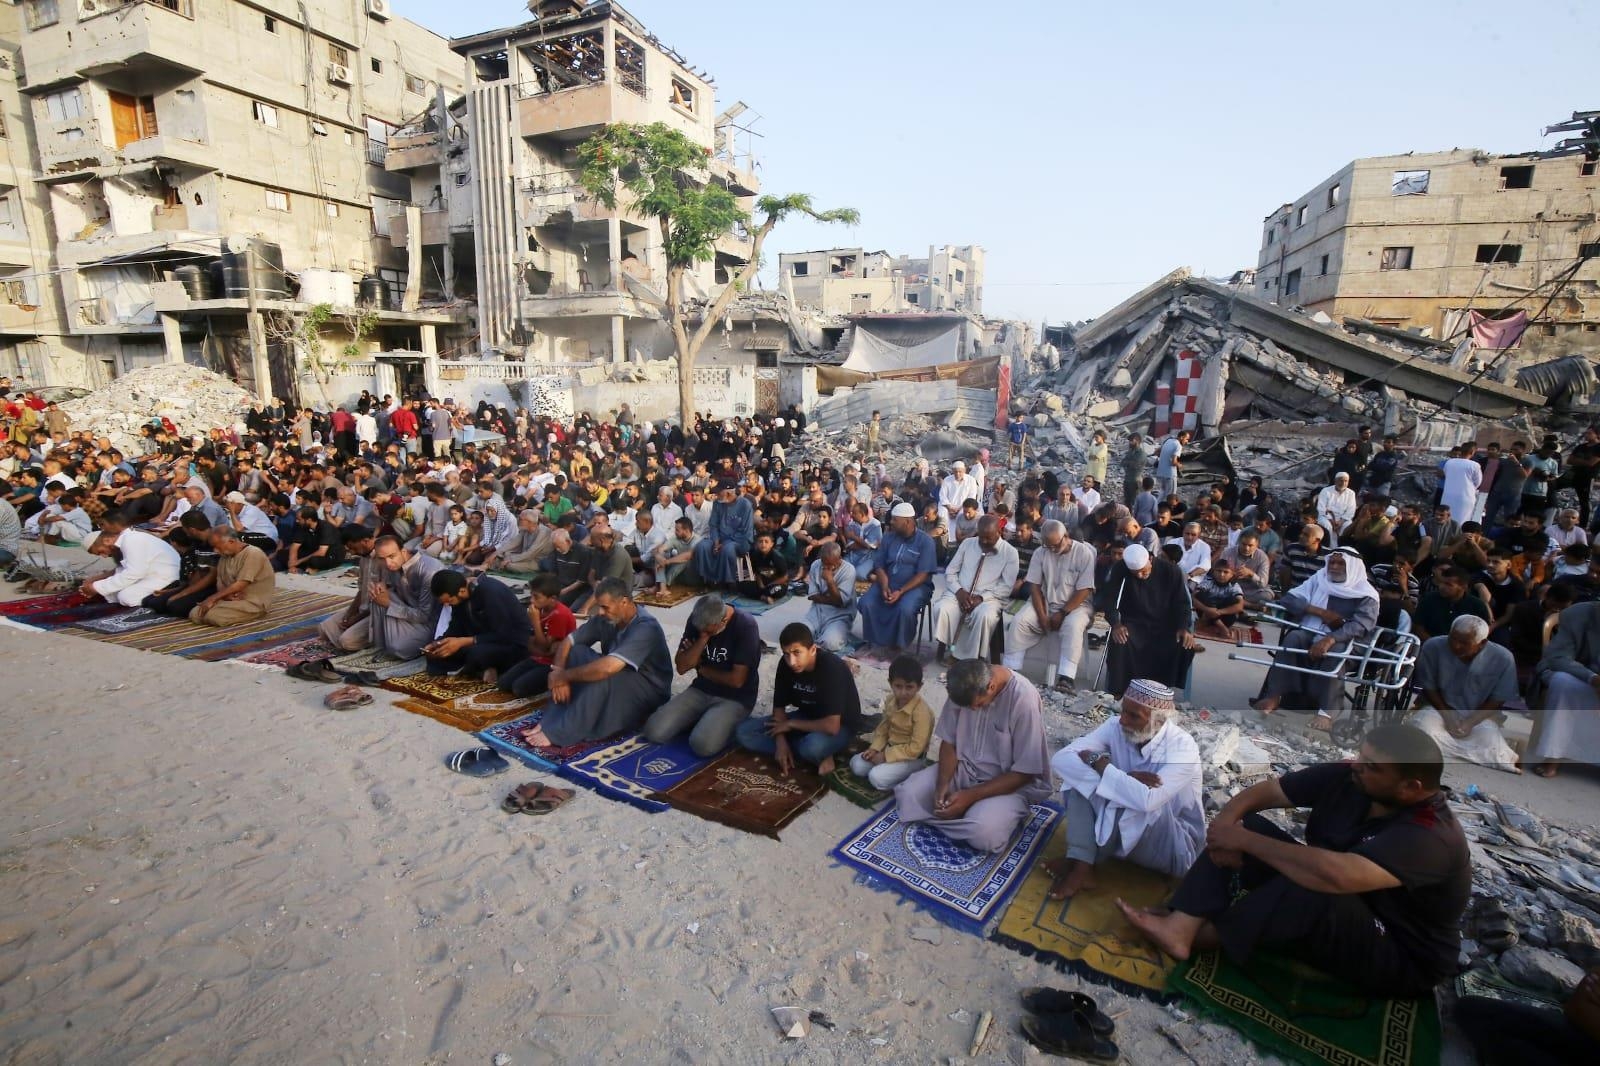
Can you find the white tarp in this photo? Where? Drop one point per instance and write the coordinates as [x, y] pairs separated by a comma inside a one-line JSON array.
[[871, 353]]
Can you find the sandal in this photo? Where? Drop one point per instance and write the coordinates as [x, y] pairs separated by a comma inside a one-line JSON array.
[[548, 800], [347, 698], [321, 670], [1069, 1035], [1043, 1001], [517, 801], [477, 762]]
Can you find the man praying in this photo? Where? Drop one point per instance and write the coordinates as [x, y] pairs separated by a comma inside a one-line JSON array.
[[1132, 791], [978, 585], [244, 582]]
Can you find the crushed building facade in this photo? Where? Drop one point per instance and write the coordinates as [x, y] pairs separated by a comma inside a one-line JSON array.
[[853, 281]]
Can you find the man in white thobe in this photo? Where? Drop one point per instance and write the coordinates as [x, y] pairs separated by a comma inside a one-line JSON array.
[[1336, 507], [954, 491], [1196, 561], [1465, 681], [1060, 587], [148, 564], [1132, 791], [978, 584], [1462, 476]]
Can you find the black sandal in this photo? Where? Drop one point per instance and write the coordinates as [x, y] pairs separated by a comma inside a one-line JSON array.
[[1040, 1000], [1068, 1035]]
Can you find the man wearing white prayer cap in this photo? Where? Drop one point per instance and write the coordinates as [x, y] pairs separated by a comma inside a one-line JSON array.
[[902, 581], [1146, 601], [1132, 791]]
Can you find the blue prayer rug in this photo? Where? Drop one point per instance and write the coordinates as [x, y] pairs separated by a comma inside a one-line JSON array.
[[507, 739], [957, 885], [633, 770]]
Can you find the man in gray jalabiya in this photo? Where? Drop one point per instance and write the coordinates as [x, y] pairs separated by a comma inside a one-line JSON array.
[[993, 761]]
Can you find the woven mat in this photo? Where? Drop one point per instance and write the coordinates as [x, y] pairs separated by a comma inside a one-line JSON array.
[[130, 620], [1306, 1016], [753, 607], [746, 791], [1088, 934], [665, 595], [635, 771], [289, 653], [59, 609], [290, 609], [370, 660], [957, 885]]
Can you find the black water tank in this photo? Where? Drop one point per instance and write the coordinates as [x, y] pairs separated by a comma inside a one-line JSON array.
[[374, 293], [218, 277], [270, 281], [196, 281]]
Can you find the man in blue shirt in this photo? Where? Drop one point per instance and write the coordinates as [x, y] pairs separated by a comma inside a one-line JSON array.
[[902, 582], [1170, 461], [594, 695], [1017, 434]]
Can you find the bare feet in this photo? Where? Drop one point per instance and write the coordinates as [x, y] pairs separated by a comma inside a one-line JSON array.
[[1166, 931], [1266, 704], [1071, 876], [491, 676], [1322, 723], [825, 767], [536, 737], [1545, 769]]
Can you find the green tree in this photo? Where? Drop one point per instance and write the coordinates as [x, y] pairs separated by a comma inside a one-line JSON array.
[[667, 176]]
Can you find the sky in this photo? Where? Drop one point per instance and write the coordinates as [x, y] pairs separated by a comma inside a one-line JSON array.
[[1091, 148]]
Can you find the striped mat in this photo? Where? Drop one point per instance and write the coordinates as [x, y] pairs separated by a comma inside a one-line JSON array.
[[293, 613]]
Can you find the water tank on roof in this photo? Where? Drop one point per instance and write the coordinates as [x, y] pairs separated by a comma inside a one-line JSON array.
[[374, 293], [333, 287], [271, 284], [196, 280]]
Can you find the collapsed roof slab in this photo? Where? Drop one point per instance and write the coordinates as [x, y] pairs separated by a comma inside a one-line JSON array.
[[1419, 379]]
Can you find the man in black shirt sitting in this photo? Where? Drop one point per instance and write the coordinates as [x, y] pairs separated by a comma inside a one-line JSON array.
[[1374, 896]]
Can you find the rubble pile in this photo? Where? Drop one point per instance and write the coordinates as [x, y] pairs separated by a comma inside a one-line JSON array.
[[193, 399]]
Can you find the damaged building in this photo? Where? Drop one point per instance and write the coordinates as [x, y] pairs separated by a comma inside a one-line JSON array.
[[844, 281], [152, 175]]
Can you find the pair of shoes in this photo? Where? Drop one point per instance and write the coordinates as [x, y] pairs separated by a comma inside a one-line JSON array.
[[1070, 1024]]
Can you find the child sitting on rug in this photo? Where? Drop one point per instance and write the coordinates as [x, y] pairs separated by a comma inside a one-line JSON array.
[[552, 622], [900, 743], [1218, 602], [771, 570], [456, 536]]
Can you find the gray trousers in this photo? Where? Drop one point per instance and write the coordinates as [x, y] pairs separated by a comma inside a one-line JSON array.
[[1080, 833], [709, 720], [403, 640]]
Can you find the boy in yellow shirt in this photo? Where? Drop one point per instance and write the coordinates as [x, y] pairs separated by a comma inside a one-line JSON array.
[[900, 742]]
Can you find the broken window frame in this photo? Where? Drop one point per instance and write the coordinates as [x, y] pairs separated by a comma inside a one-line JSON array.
[[1410, 182], [1333, 195], [338, 55], [799, 269], [629, 58], [1300, 215], [491, 66], [265, 114], [277, 200], [1516, 176], [41, 14], [684, 97], [570, 61], [1322, 271], [1586, 169], [1499, 254], [416, 84], [57, 107], [1291, 282], [1272, 235], [1397, 257], [7, 216], [1589, 250]]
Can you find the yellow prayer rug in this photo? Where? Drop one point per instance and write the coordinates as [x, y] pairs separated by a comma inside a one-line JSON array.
[[1088, 931]]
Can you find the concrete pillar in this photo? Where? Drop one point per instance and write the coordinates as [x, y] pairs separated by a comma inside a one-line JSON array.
[[430, 357], [171, 338], [614, 267], [619, 342]]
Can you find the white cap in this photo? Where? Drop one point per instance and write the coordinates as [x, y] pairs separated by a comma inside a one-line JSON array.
[[1136, 556], [902, 510], [236, 497], [958, 465]]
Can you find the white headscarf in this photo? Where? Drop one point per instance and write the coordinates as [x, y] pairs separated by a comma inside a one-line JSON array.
[[1320, 586]]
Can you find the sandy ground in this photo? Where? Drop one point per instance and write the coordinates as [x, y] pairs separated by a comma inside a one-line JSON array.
[[200, 864]]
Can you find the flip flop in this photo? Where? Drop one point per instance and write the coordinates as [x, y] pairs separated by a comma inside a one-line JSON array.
[[518, 799], [550, 799], [1040, 1000], [321, 670], [477, 762], [1068, 1035], [347, 698]]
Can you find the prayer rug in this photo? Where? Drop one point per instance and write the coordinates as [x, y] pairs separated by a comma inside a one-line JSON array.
[[241, 646], [55, 601], [746, 791], [1087, 934], [1306, 1016], [506, 737], [957, 885], [666, 596], [289, 653], [131, 619], [291, 609], [466, 703], [634, 770], [371, 660], [853, 788], [754, 607], [59, 609]]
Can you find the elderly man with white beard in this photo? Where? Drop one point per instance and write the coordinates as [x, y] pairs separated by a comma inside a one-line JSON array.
[[1132, 791]]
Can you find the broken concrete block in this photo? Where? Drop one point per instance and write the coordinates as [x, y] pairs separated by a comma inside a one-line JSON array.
[[1249, 760], [1222, 752], [1054, 404], [1539, 970], [1104, 409], [1120, 379]]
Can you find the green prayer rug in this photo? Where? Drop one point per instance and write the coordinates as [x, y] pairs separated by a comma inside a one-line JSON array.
[[855, 789], [1292, 1010]]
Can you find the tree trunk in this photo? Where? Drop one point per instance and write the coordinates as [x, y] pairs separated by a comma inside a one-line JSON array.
[[686, 349]]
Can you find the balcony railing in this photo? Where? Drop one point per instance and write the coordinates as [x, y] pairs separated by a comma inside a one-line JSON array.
[[101, 7]]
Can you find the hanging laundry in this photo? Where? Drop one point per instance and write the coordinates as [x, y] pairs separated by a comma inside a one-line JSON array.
[[1498, 332]]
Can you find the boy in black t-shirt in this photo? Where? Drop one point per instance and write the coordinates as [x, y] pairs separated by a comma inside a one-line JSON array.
[[816, 709], [1375, 894]]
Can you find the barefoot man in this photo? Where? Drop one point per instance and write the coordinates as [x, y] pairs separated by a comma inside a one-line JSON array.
[[1132, 791], [1374, 896]]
